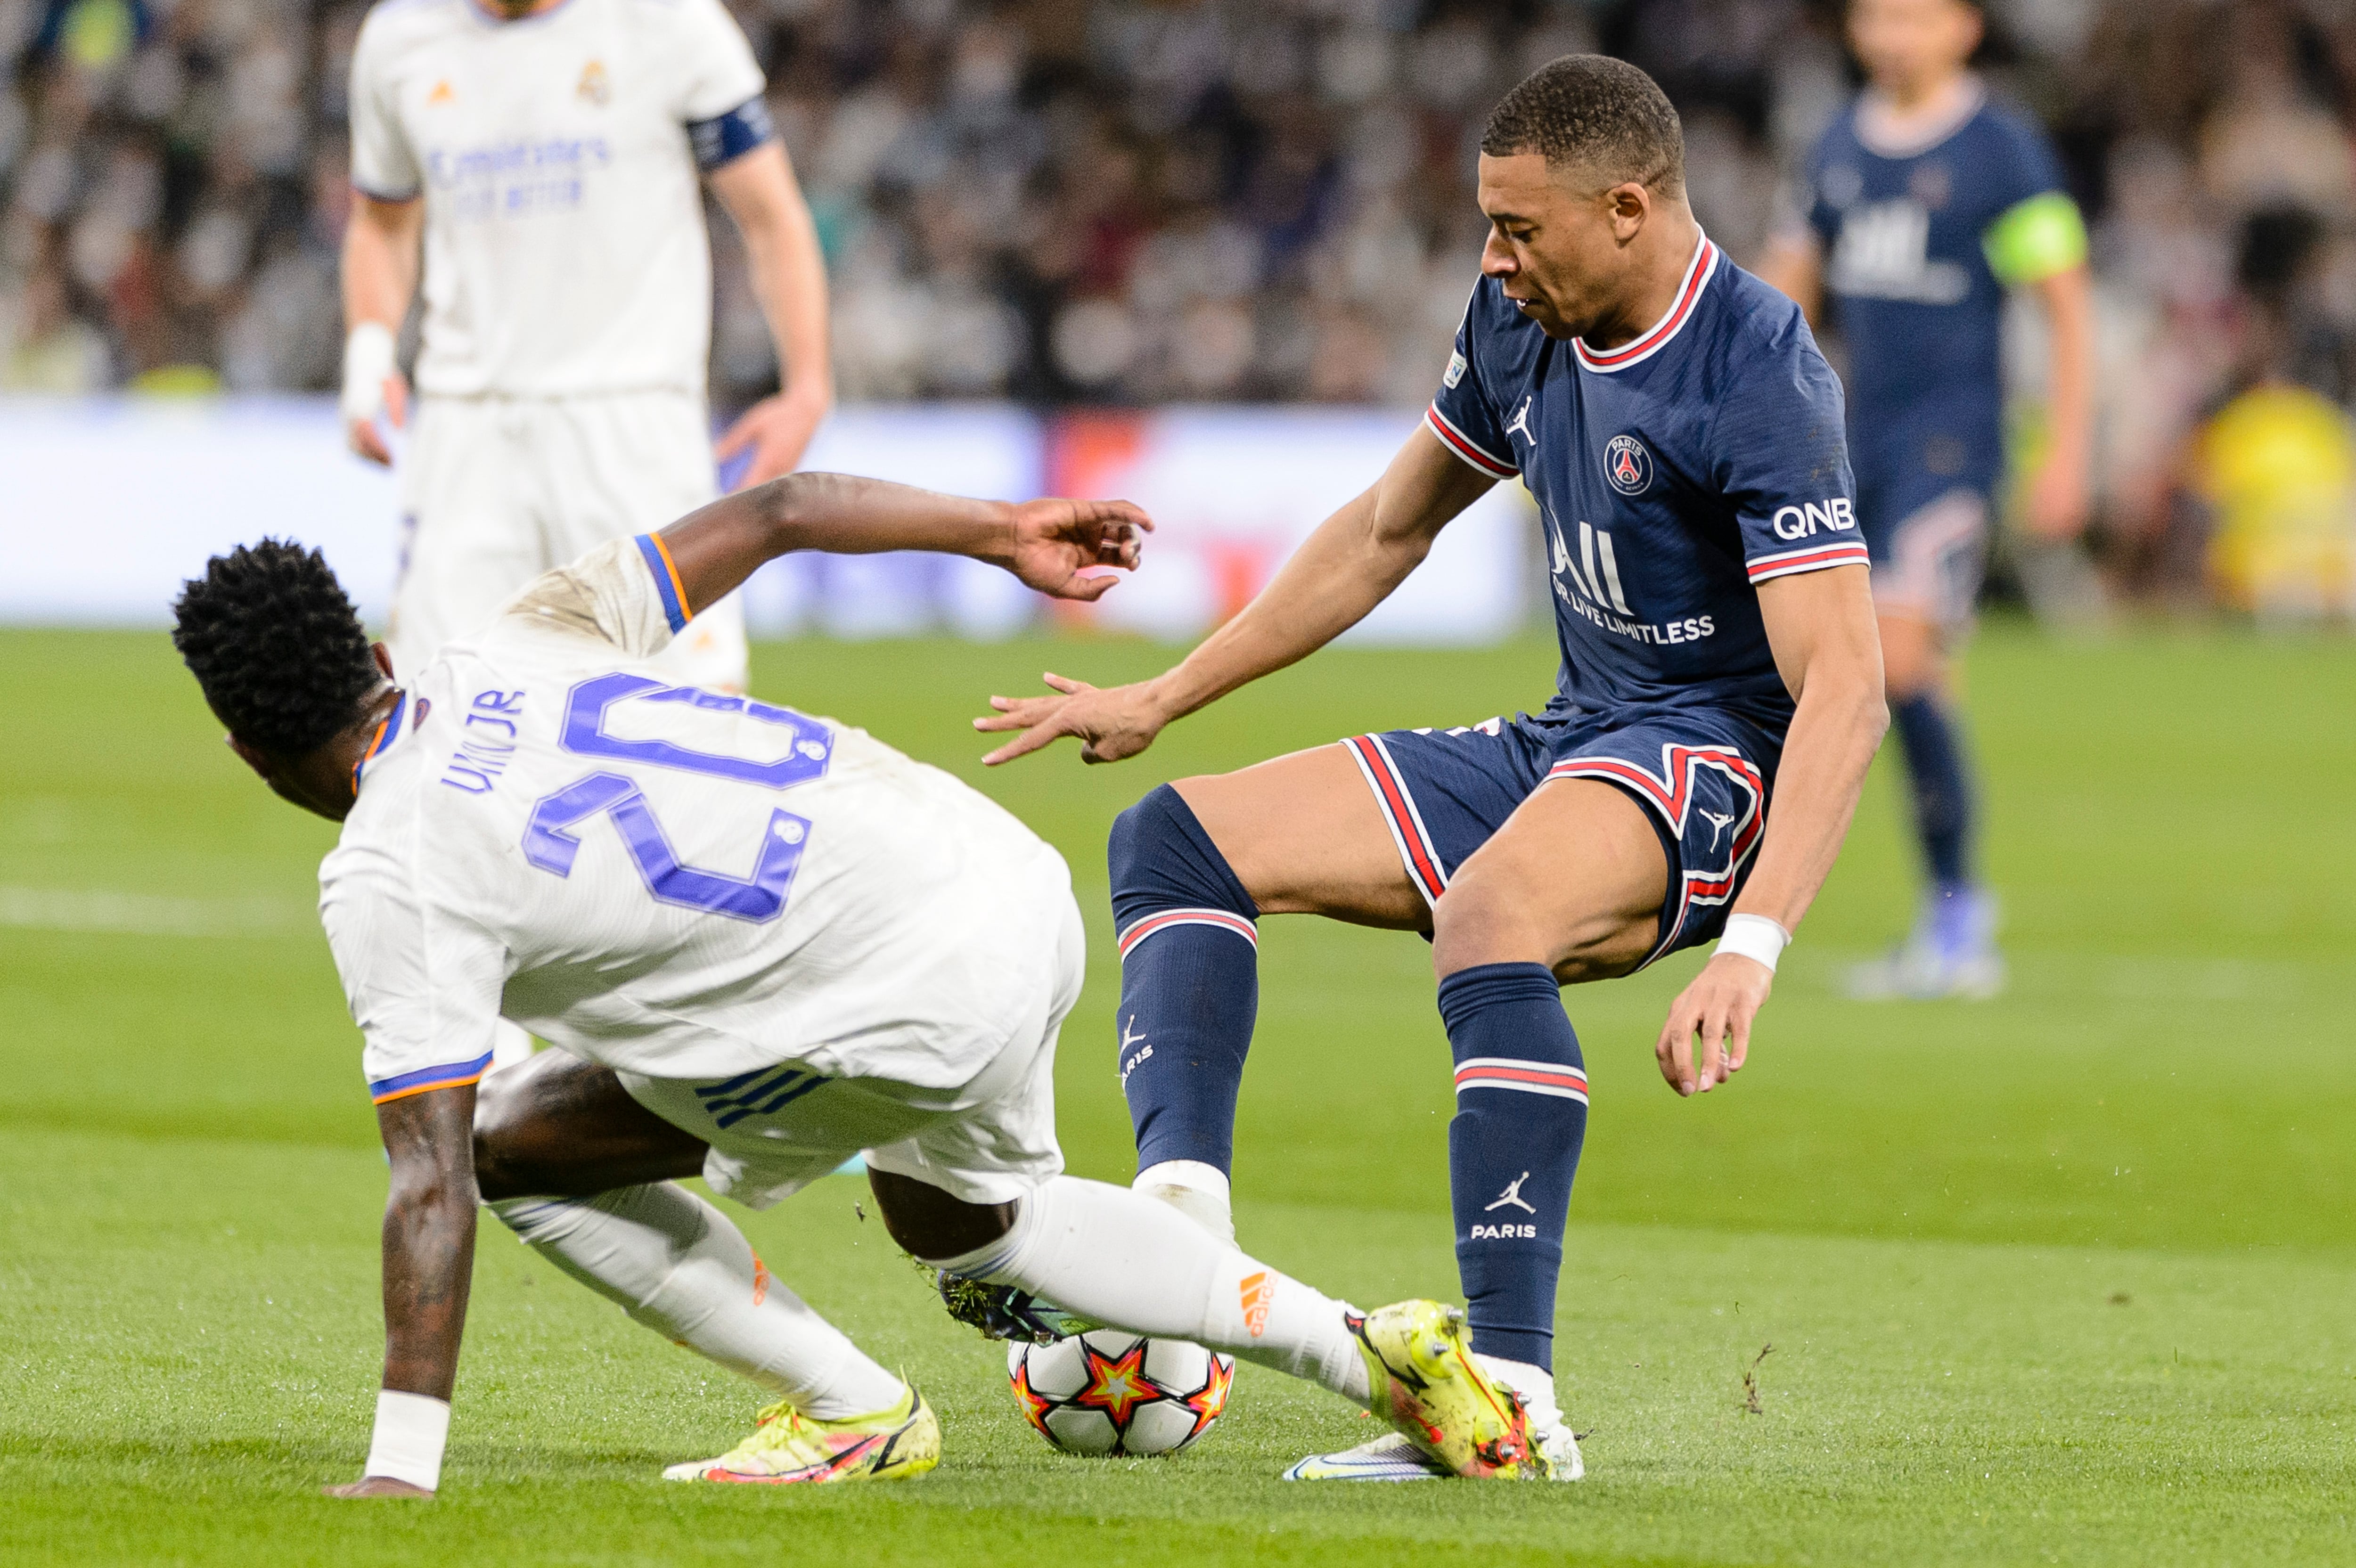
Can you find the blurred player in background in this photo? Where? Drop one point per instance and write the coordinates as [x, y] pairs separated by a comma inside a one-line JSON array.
[[548, 151], [1926, 202]]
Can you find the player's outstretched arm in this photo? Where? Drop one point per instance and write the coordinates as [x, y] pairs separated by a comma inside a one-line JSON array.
[[1342, 570], [1049, 544], [1821, 627], [429, 1264]]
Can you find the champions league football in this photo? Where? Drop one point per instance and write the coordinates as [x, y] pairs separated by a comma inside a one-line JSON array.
[[1112, 1396]]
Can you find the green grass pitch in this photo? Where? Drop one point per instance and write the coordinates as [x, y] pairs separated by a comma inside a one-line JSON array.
[[2066, 1277]]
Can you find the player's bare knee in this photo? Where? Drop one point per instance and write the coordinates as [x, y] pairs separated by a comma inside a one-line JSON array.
[[502, 1110], [930, 1224], [1473, 924]]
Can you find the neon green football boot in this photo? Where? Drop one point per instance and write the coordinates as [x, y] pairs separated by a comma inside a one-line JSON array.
[[1426, 1384], [789, 1448]]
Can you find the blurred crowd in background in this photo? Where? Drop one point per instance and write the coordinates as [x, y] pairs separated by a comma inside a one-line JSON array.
[[1138, 201]]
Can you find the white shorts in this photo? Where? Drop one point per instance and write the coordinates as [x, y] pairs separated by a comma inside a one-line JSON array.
[[1933, 564], [989, 1141], [496, 491]]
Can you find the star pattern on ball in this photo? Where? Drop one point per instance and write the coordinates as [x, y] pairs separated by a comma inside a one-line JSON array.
[[1035, 1405], [1206, 1402], [1117, 1386]]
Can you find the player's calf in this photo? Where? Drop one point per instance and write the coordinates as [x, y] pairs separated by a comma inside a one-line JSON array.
[[1513, 1153], [1189, 994]]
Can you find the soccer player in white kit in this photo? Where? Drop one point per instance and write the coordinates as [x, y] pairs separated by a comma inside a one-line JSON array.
[[761, 941], [548, 153]]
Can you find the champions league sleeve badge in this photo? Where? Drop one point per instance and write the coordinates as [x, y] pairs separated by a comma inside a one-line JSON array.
[[1627, 465]]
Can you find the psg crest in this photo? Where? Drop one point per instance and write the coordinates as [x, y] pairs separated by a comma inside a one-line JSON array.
[[1627, 465]]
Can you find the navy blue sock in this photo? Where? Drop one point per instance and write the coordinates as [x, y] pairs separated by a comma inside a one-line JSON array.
[[1189, 981], [1934, 743], [1521, 1118]]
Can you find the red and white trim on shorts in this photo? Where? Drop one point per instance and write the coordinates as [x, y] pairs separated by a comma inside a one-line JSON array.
[[1815, 558], [1699, 271], [1416, 850], [1223, 920], [1671, 793], [1549, 1078], [1464, 447]]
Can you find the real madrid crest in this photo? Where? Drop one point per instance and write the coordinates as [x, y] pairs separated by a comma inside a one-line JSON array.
[[1627, 467], [594, 87]]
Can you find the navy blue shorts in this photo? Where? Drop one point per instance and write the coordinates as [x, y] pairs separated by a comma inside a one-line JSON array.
[[1704, 776]]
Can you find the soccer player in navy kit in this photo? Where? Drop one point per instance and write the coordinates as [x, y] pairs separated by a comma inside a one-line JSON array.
[[1926, 201], [1684, 440]]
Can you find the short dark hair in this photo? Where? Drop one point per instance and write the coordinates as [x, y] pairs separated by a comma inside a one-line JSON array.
[[1596, 111], [275, 645]]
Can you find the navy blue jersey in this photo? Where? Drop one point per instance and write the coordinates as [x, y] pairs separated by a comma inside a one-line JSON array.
[[1674, 473], [1914, 242]]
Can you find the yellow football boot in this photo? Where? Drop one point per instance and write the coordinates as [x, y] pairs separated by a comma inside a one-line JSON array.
[[788, 1448], [1426, 1384]]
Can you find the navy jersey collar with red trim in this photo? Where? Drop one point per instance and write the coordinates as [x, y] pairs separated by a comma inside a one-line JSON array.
[[1656, 338], [1673, 474]]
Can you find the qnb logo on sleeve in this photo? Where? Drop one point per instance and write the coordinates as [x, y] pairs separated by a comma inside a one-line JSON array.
[[1832, 516]]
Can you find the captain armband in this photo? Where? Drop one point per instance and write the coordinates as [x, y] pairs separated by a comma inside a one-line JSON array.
[[2035, 239], [724, 138]]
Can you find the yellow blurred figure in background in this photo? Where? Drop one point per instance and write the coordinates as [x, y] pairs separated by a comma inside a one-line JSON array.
[[2278, 463]]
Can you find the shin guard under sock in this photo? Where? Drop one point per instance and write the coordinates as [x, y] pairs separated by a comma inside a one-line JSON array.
[[1189, 982], [1513, 1149]]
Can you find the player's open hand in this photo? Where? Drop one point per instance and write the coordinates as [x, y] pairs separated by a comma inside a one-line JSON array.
[[1718, 1007], [1110, 723], [775, 433], [2059, 501], [361, 431], [376, 1486]]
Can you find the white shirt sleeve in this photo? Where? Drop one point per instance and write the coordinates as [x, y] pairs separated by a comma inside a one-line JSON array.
[[716, 71], [382, 165], [626, 593], [424, 989]]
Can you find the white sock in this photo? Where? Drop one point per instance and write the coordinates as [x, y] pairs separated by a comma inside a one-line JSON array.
[[677, 1265], [1533, 1383], [1196, 1189], [1133, 1264]]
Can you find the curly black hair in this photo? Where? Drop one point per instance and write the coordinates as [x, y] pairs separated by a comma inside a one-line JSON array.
[[276, 646], [1594, 111]]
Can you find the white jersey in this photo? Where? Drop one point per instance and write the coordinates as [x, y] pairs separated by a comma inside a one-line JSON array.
[[564, 244], [675, 883]]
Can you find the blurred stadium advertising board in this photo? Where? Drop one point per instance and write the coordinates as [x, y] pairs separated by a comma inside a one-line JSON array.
[[108, 503]]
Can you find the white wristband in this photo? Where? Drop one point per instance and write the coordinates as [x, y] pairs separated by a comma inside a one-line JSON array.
[[1754, 936], [368, 357], [410, 1431]]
